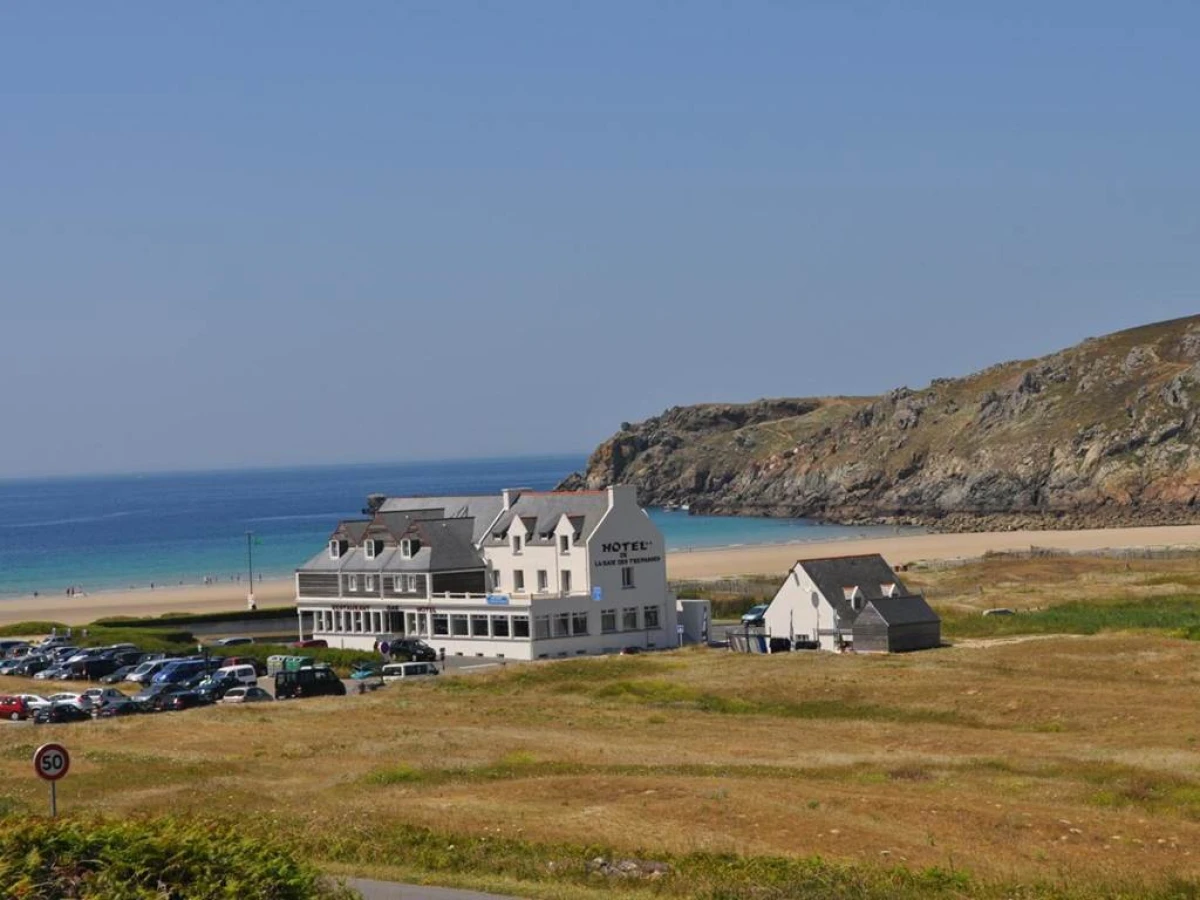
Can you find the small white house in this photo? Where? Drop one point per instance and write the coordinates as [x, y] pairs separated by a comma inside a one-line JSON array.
[[821, 599]]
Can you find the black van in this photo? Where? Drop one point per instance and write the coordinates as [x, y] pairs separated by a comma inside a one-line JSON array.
[[309, 681]]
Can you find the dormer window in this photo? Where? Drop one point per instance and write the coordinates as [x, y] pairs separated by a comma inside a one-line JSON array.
[[335, 549], [854, 596], [889, 589], [406, 548], [369, 547], [516, 543], [564, 543]]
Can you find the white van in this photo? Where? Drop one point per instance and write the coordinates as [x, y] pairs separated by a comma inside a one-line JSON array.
[[398, 671], [242, 674]]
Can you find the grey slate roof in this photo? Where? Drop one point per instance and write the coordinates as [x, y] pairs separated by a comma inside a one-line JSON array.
[[545, 508], [869, 573], [482, 508], [910, 610]]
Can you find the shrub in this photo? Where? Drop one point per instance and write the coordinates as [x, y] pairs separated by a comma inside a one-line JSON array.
[[141, 859]]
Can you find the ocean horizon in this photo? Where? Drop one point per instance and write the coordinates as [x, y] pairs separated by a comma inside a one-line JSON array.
[[116, 532]]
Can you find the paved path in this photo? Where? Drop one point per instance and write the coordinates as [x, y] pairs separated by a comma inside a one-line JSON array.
[[390, 890]]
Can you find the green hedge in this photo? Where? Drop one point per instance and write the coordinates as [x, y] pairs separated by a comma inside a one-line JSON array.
[[30, 629], [167, 619], [150, 859]]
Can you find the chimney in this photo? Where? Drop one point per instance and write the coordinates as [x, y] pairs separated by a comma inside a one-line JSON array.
[[621, 493], [507, 494]]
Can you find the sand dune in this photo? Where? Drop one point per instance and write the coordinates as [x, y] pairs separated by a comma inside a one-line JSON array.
[[732, 561]]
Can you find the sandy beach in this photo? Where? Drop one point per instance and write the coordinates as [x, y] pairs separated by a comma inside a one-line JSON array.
[[699, 564]]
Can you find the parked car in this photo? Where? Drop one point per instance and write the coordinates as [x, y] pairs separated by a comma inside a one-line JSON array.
[[147, 670], [312, 642], [14, 708], [118, 676], [412, 650], [157, 697], [81, 701], [754, 615], [104, 696], [309, 681], [364, 671], [54, 673], [260, 667], [245, 674], [30, 666], [94, 668], [246, 695], [7, 647], [214, 688], [10, 665], [60, 713], [34, 701], [186, 700], [126, 707], [232, 641], [404, 670]]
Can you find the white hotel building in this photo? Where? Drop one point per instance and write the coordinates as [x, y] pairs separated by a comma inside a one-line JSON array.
[[521, 575]]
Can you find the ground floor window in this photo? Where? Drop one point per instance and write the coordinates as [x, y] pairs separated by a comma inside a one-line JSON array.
[[562, 624], [520, 626], [479, 626], [458, 626], [441, 624], [650, 616], [629, 619], [608, 621], [579, 623], [500, 626], [541, 627]]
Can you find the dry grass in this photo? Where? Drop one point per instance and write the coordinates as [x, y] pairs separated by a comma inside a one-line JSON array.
[[1070, 759]]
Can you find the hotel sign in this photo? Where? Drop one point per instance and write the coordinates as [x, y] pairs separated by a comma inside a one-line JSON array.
[[628, 553]]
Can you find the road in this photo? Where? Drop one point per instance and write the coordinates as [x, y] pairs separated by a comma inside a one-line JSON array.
[[390, 890]]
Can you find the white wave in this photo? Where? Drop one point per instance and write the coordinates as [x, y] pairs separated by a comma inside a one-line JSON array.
[[75, 520]]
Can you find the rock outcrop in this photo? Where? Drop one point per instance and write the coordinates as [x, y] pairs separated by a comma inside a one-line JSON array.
[[1103, 433]]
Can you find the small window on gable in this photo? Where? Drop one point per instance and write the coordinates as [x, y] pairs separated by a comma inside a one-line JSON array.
[[516, 543], [564, 543], [889, 589], [335, 549], [369, 547]]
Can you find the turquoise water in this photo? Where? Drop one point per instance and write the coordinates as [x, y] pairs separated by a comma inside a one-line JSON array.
[[115, 532]]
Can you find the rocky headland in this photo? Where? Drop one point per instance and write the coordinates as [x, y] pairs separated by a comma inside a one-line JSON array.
[[1100, 434]]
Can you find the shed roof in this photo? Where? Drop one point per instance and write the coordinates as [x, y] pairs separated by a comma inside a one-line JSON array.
[[841, 578], [910, 610]]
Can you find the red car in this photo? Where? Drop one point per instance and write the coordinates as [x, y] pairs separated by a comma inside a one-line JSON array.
[[14, 708], [318, 642]]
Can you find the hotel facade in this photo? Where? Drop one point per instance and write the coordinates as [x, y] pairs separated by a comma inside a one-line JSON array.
[[519, 575]]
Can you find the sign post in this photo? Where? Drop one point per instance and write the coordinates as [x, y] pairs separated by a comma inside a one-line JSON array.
[[51, 762]]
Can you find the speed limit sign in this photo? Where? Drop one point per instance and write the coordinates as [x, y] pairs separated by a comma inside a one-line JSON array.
[[51, 761]]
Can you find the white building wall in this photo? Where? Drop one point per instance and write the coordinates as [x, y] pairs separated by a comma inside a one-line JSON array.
[[799, 610]]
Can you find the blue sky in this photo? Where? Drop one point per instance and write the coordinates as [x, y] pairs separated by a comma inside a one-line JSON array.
[[283, 233]]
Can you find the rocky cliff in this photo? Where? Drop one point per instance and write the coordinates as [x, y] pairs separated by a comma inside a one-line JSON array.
[[1103, 433]]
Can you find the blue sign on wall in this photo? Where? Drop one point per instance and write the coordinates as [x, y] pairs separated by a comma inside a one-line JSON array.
[[497, 599], [597, 593]]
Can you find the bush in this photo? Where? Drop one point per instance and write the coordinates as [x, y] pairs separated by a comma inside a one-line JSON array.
[[27, 629], [149, 859], [167, 619]]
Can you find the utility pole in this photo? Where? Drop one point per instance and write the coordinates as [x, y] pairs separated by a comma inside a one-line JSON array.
[[250, 604]]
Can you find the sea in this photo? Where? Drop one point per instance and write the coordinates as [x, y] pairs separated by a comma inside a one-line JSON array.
[[115, 532]]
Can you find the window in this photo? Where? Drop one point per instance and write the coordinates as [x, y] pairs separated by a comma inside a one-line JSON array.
[[518, 579], [579, 623], [626, 576], [441, 624], [516, 543], [369, 550], [650, 616], [369, 583], [541, 627], [352, 582], [608, 621], [499, 626], [410, 623], [406, 549], [566, 580], [495, 579], [562, 624], [629, 619], [408, 584], [458, 626], [564, 543], [479, 626], [335, 549], [520, 626], [543, 579]]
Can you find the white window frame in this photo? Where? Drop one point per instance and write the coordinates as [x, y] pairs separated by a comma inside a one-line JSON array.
[[608, 614], [369, 584], [369, 549], [352, 583], [335, 549], [406, 549]]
